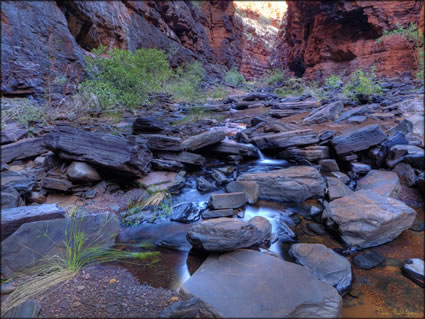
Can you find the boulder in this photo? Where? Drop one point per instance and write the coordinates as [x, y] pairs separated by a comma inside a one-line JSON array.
[[104, 150], [219, 177], [28, 147], [366, 219], [190, 308], [310, 153], [231, 147], [405, 126], [212, 136], [270, 286], [12, 133], [285, 139], [337, 189], [360, 168], [251, 190], [59, 184], [414, 269], [385, 183], [325, 113], [186, 213], [226, 234], [10, 198], [82, 172], [329, 165], [358, 140], [26, 309], [284, 232], [407, 153], [228, 200], [12, 218], [204, 186], [406, 174], [34, 242], [162, 180], [166, 165], [22, 183], [293, 184], [324, 264]]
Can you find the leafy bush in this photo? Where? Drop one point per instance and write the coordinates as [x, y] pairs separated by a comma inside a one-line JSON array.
[[185, 82], [334, 81], [234, 78], [291, 87], [124, 78], [218, 93], [274, 77], [362, 83]]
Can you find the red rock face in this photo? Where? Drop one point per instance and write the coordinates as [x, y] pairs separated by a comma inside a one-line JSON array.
[[324, 38], [47, 40]]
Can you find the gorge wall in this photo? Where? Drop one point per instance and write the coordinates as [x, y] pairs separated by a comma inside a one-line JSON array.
[[321, 38], [44, 42]]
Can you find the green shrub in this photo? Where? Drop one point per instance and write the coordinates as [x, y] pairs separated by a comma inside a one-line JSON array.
[[291, 87], [124, 78], [334, 81], [184, 85], [218, 93], [362, 83], [274, 77], [421, 57], [234, 78]]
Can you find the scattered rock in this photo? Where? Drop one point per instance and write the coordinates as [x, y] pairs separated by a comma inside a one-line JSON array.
[[27, 309], [167, 165], [284, 290], [358, 140], [160, 142], [286, 139], [318, 229], [34, 241], [212, 136], [385, 183], [190, 308], [104, 150], [58, 184], [10, 198], [360, 168], [325, 113], [337, 189], [186, 213], [406, 174], [162, 180], [219, 177], [82, 172], [310, 153], [228, 200], [293, 184], [204, 186], [251, 190], [324, 264], [226, 234], [28, 147], [368, 260], [414, 269], [184, 157], [329, 165], [149, 125], [366, 219], [284, 232], [217, 213], [231, 147]]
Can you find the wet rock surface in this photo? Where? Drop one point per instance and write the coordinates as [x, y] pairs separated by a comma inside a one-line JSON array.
[[368, 260], [298, 293]]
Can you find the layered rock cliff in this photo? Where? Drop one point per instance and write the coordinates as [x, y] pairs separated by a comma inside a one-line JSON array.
[[43, 41], [321, 38]]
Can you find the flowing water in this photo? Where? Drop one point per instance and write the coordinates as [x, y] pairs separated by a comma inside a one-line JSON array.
[[379, 292]]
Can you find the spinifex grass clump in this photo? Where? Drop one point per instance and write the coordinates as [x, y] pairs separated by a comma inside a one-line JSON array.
[[362, 83], [81, 250]]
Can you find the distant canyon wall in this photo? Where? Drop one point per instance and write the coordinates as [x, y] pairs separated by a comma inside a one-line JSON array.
[[321, 38]]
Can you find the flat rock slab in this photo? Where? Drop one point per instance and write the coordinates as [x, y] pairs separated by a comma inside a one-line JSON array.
[[104, 150], [28, 147], [33, 242], [159, 180], [228, 200], [217, 213], [251, 284], [414, 269], [212, 136], [183, 157], [27, 309], [160, 142], [251, 189], [13, 218], [325, 113], [324, 264], [149, 125], [310, 153], [230, 147], [286, 139], [367, 219], [226, 234], [293, 184], [358, 140], [337, 189], [385, 183]]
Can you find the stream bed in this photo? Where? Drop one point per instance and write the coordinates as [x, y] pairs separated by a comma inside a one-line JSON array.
[[379, 292]]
